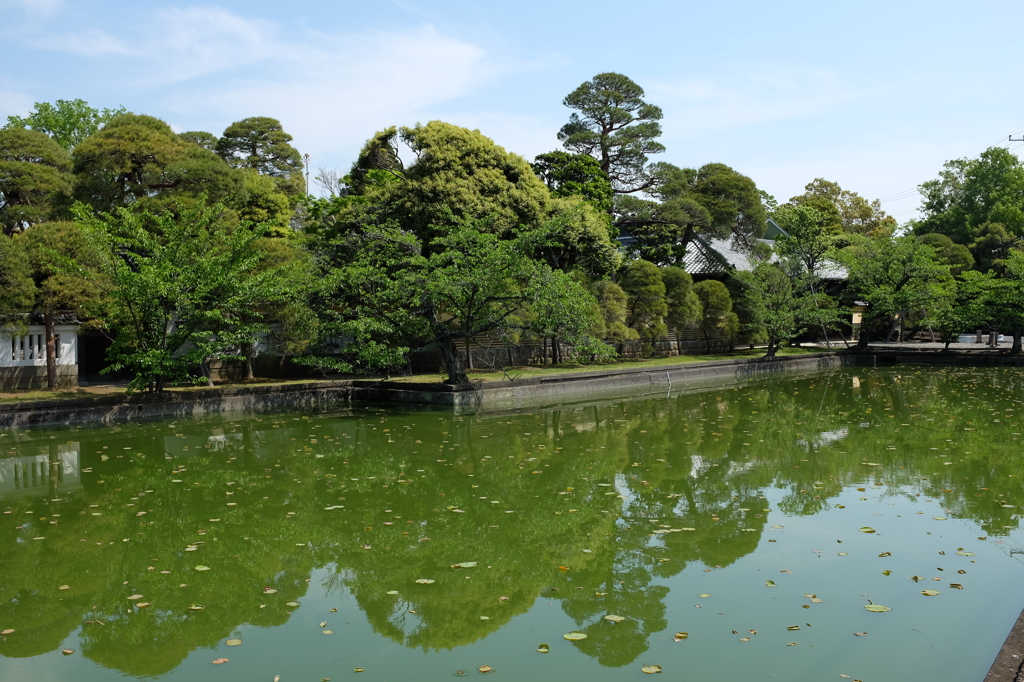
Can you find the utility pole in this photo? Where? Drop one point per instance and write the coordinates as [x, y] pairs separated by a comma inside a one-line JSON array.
[[306, 157]]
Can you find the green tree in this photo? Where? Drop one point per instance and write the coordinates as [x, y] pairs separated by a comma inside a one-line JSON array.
[[568, 174], [773, 303], [957, 256], [897, 277], [991, 246], [613, 304], [183, 288], [642, 281], [575, 236], [659, 232], [34, 178], [614, 125], [260, 143], [15, 282], [458, 177], [139, 160], [683, 305], [971, 192], [68, 122], [200, 137], [845, 211], [67, 276], [717, 316], [731, 199]]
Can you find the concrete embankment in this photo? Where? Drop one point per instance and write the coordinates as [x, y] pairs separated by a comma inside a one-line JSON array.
[[503, 395]]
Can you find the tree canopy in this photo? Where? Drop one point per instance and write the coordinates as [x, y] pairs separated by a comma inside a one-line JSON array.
[[68, 122], [613, 124], [34, 178]]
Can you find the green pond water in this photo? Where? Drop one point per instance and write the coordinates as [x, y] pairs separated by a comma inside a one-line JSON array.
[[738, 516]]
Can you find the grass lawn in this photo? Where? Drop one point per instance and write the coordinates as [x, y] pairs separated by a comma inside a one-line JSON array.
[[512, 373]]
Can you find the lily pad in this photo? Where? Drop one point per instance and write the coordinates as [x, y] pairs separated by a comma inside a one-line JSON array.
[[544, 648], [930, 593], [867, 529], [485, 669], [651, 669], [615, 619], [575, 636], [769, 583], [877, 608]]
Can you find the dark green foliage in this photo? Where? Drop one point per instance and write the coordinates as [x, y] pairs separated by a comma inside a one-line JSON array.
[[659, 232], [201, 138], [568, 174], [138, 159], [615, 126], [642, 281], [731, 199], [957, 256], [717, 317], [16, 285], [262, 144], [34, 178]]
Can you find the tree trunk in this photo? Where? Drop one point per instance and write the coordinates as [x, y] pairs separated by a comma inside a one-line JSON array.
[[707, 342], [453, 363], [248, 367], [204, 366], [862, 339], [1016, 348], [770, 352], [51, 350]]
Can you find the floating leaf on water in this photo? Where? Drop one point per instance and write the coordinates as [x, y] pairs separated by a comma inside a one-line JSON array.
[[682, 635], [809, 595], [196, 607], [965, 553], [842, 554], [615, 619], [202, 568], [67, 652], [861, 634], [703, 595], [744, 639], [323, 623], [939, 518], [575, 636], [293, 604], [64, 587], [867, 529], [769, 583], [544, 648], [956, 586], [233, 642], [394, 592], [465, 564], [9, 631], [485, 669], [266, 590], [143, 604], [793, 627], [651, 669], [425, 581], [930, 593], [877, 608], [793, 644], [135, 596], [886, 572], [816, 600], [218, 661], [358, 670], [327, 632]]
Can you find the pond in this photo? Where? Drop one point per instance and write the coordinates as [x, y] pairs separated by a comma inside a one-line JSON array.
[[737, 533]]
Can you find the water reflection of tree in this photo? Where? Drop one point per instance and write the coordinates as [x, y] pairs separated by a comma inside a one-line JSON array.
[[588, 488]]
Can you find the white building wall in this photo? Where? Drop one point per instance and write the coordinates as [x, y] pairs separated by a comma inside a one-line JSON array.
[[29, 349]]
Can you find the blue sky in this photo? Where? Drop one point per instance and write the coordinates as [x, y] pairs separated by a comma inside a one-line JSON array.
[[873, 95]]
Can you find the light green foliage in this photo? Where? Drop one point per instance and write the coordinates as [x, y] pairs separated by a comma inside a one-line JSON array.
[[575, 236], [16, 285], [568, 174], [613, 303], [844, 211], [810, 238], [971, 307], [139, 160], [717, 317], [261, 201], [564, 312], [34, 178], [68, 122], [65, 267], [957, 256], [260, 143], [772, 303], [641, 280], [183, 288], [1007, 299], [971, 192], [614, 125], [459, 176], [897, 277]]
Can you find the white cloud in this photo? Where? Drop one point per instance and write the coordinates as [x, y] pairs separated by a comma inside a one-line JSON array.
[[743, 98], [86, 42]]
